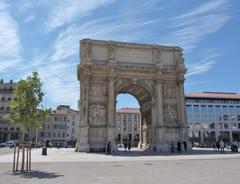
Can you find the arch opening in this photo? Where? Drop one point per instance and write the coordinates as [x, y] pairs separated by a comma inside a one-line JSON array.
[[133, 117]]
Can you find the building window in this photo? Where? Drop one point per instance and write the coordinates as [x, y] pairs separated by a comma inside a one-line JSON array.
[[238, 109], [217, 108], [210, 108], [224, 109], [196, 108], [189, 108], [63, 134], [234, 125], [225, 125], [225, 117], [238, 117], [232, 117], [231, 109], [212, 125], [203, 108]]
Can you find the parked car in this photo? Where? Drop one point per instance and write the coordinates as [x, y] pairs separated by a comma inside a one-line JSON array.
[[9, 144], [2, 145], [120, 145]]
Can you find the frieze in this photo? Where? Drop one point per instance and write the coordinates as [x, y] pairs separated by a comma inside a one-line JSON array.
[[169, 92], [98, 90]]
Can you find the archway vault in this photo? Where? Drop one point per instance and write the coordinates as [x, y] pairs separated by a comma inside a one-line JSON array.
[[139, 92], [153, 74]]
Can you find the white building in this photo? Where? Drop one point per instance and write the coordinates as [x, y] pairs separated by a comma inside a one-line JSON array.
[[128, 122], [61, 127], [7, 131], [213, 116]]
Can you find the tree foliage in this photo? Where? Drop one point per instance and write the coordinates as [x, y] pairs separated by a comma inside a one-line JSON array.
[[25, 110]]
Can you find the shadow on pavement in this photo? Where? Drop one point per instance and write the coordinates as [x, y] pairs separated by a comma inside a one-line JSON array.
[[38, 174]]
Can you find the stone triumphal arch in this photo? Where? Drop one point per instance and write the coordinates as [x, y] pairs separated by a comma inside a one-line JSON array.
[[153, 74]]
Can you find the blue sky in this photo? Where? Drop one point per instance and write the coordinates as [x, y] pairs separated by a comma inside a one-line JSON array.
[[44, 36]]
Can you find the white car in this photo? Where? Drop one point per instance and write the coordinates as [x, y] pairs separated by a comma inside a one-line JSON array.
[[9, 144]]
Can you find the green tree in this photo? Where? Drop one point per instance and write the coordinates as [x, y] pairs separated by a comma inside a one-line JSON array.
[[25, 110]]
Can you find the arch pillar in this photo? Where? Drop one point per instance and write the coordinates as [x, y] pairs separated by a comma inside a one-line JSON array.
[[83, 131], [111, 128]]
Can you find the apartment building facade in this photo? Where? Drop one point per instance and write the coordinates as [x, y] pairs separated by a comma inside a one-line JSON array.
[[61, 127], [213, 116], [7, 131]]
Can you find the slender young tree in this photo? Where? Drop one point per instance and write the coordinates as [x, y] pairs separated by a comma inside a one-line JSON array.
[[25, 110]]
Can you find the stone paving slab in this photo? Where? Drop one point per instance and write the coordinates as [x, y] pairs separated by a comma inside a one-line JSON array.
[[204, 171]]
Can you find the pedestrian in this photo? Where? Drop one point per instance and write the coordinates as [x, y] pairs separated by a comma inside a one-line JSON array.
[[125, 146], [179, 149], [109, 147], [185, 145], [129, 146], [222, 146], [172, 147], [218, 146]]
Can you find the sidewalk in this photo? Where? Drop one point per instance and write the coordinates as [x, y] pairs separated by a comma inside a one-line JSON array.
[[69, 155]]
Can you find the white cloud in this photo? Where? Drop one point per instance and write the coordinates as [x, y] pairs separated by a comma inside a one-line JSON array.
[[67, 43], [193, 26], [206, 62], [30, 18], [195, 83], [10, 48], [208, 7], [149, 3], [65, 11]]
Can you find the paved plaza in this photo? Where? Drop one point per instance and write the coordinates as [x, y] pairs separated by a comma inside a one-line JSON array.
[[67, 166]]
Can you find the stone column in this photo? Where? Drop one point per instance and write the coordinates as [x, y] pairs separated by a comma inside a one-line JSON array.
[[159, 103], [154, 123], [182, 101], [111, 128]]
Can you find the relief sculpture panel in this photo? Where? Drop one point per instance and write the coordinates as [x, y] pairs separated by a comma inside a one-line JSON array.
[[169, 92], [170, 113], [97, 114]]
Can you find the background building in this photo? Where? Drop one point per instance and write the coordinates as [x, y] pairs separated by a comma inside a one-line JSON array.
[[61, 127], [128, 122], [7, 131], [213, 116]]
